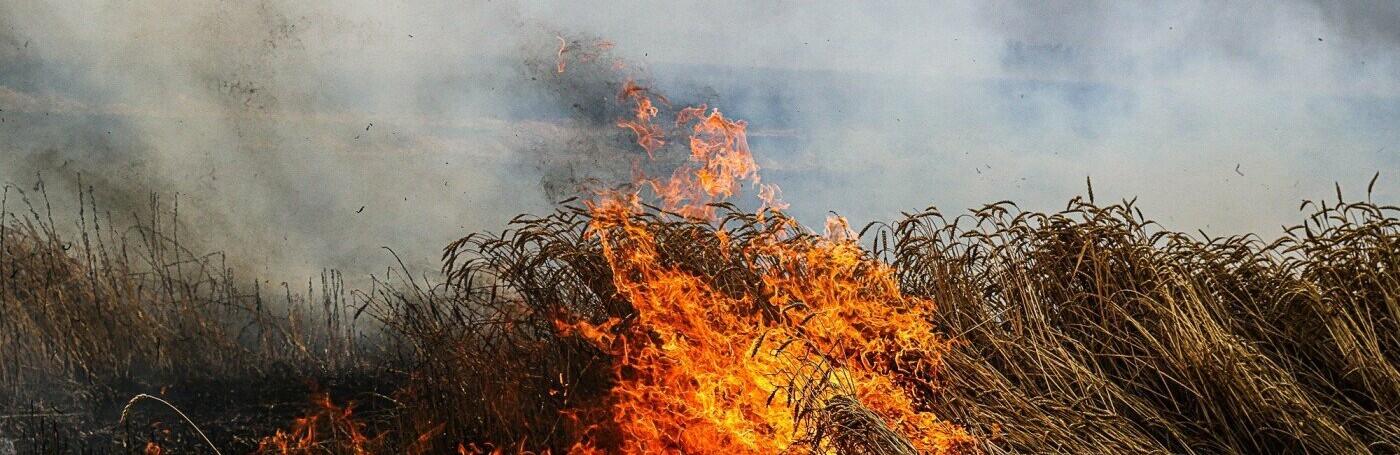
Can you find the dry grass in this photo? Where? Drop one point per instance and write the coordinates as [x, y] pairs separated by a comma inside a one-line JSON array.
[[92, 315], [1094, 331], [1091, 330]]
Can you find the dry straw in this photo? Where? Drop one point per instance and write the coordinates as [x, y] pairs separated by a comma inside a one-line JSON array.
[[1091, 330]]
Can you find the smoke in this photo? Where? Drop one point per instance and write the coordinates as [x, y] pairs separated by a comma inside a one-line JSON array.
[[297, 135], [301, 135], [1220, 118]]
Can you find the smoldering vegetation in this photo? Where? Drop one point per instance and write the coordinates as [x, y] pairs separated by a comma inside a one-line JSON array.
[[92, 319], [1089, 330]]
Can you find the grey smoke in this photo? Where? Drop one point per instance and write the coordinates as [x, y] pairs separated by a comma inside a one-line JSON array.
[[258, 113], [255, 114]]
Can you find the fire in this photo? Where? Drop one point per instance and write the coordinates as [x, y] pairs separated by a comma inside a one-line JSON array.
[[329, 427], [649, 134], [831, 351], [720, 160], [563, 46], [561, 60], [473, 449]]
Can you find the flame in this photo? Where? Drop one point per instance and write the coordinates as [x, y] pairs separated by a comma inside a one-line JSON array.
[[563, 46], [697, 370], [649, 134], [598, 47], [328, 425], [489, 449]]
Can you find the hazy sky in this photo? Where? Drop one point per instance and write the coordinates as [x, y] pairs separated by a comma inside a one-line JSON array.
[[277, 120]]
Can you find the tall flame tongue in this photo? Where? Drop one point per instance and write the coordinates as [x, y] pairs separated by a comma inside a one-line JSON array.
[[829, 359]]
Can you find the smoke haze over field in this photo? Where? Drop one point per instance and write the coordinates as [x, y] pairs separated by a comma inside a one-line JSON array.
[[307, 134]]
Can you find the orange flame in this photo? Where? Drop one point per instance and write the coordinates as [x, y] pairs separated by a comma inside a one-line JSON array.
[[700, 371], [559, 62], [649, 134], [328, 425], [488, 449]]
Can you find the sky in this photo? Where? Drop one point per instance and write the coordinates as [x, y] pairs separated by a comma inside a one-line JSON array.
[[307, 134]]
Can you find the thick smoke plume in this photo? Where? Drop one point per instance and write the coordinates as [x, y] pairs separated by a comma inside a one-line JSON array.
[[300, 135], [303, 135]]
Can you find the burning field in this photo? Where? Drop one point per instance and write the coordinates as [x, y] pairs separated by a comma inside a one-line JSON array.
[[681, 311]]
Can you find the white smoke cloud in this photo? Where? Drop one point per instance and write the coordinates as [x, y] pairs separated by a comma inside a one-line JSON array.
[[277, 121]]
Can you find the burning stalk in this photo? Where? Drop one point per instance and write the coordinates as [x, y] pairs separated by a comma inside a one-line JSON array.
[[824, 310], [329, 427]]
